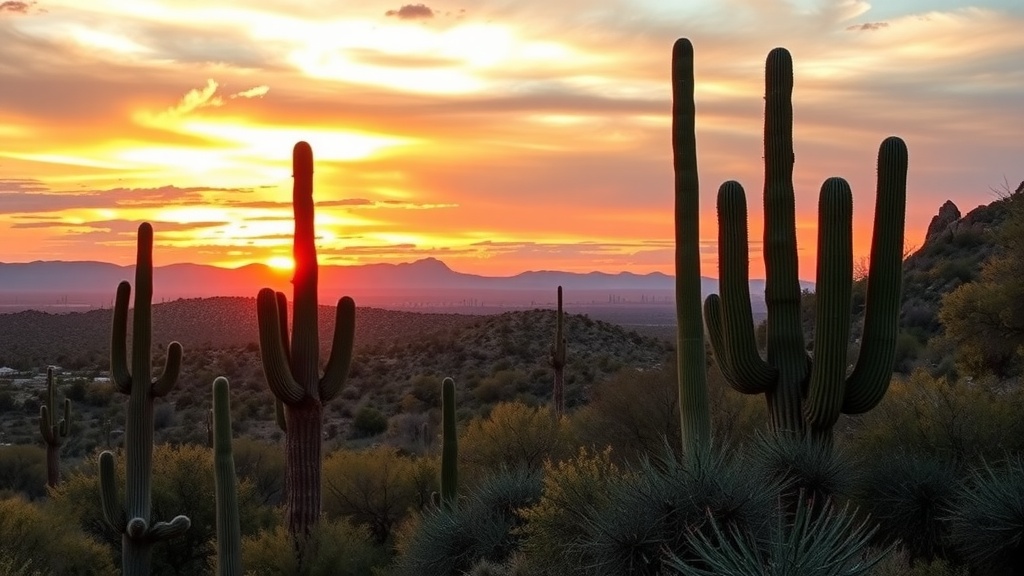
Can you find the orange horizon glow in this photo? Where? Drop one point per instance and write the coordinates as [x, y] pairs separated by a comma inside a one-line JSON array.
[[496, 138]]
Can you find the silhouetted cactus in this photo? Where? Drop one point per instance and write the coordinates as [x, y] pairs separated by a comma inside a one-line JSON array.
[[293, 375], [229, 532], [558, 361], [806, 396], [133, 520], [449, 446], [53, 431], [691, 357]]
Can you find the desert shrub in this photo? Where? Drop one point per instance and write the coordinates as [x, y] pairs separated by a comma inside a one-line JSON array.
[[572, 489], [336, 548], [987, 521], [34, 539], [182, 484], [513, 435], [483, 526], [262, 465], [803, 466], [369, 422], [650, 512], [377, 488], [909, 496], [23, 471]]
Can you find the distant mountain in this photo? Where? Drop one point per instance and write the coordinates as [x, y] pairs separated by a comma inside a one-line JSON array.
[[416, 283]]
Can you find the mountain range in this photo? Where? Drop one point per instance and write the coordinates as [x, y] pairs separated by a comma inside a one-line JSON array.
[[421, 283]]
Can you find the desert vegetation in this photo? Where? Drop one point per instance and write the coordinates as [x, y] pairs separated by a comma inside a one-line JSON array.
[[362, 442]]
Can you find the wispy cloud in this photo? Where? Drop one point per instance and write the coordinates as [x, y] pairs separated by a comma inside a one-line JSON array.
[[412, 12], [16, 7]]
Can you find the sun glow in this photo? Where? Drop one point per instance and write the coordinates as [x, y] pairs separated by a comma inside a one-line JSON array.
[[281, 263]]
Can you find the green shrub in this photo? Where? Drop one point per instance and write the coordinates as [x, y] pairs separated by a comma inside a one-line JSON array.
[[369, 422], [987, 520], [336, 548], [513, 436], [23, 471], [35, 539]]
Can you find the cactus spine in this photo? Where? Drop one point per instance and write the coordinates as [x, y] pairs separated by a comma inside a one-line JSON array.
[[449, 446], [558, 361], [133, 520], [691, 358], [293, 375], [229, 533], [806, 396], [54, 432]]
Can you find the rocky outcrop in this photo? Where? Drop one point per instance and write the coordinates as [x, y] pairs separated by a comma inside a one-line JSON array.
[[948, 215]]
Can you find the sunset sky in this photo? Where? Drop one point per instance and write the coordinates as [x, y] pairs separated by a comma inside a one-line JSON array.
[[497, 136]]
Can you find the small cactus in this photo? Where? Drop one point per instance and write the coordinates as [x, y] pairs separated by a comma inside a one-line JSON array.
[[449, 446], [229, 534], [558, 361], [54, 432]]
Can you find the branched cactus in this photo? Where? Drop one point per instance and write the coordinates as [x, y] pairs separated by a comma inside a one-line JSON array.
[[695, 412], [54, 431], [449, 446], [292, 368], [229, 533], [133, 519], [558, 361], [806, 395]]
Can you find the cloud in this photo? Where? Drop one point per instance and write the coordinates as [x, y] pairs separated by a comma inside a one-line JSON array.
[[29, 197], [195, 99], [17, 7], [412, 12], [255, 92], [868, 26]]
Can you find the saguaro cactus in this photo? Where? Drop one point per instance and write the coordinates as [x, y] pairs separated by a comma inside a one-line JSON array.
[[805, 395], [229, 532], [54, 431], [294, 376], [558, 361], [134, 520], [695, 413], [449, 446]]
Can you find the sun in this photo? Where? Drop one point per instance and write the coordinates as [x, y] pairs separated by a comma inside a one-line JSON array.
[[281, 263]]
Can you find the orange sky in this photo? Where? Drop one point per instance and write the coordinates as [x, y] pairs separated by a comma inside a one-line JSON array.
[[499, 137]]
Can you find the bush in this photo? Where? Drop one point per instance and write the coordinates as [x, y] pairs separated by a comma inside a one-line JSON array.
[[23, 471], [514, 436], [369, 422], [337, 548], [483, 526], [38, 539], [987, 521]]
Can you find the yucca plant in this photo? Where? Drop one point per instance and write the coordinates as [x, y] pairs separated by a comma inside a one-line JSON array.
[[986, 523], [818, 540]]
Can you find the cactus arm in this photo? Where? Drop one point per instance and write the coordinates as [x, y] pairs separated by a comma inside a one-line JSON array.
[[282, 319], [449, 446], [691, 360], [275, 361], [833, 289], [112, 511], [870, 378], [750, 374], [229, 533], [279, 416], [45, 428], [716, 335], [119, 373], [341, 350], [167, 530], [172, 368]]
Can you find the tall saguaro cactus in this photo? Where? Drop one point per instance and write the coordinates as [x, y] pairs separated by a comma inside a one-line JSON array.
[[53, 431], [229, 532], [449, 446], [695, 412], [294, 375], [558, 361], [133, 519], [806, 396]]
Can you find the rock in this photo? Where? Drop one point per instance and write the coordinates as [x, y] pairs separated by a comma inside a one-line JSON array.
[[948, 214]]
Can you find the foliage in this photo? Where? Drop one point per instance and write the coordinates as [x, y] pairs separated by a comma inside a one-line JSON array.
[[484, 526], [817, 541], [514, 436], [987, 520], [23, 471], [38, 539], [909, 495], [377, 488], [182, 482], [369, 422], [817, 471], [335, 548]]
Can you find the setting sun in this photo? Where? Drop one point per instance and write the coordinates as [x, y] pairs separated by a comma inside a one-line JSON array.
[[281, 263]]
